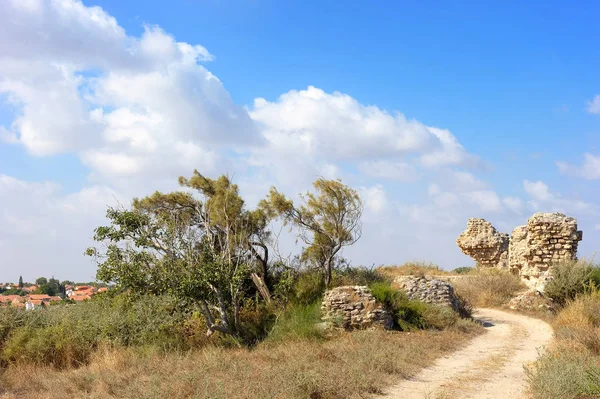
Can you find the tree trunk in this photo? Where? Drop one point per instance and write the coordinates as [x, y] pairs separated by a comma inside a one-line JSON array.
[[328, 268], [261, 286]]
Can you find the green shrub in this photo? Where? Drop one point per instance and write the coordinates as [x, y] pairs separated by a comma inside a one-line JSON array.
[[308, 288], [66, 335], [565, 373], [570, 279], [411, 315], [356, 276], [298, 321]]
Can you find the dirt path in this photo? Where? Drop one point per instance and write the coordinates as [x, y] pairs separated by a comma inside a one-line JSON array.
[[490, 367]]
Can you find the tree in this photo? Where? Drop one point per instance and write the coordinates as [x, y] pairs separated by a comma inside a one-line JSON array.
[[41, 281], [327, 220], [198, 249], [20, 282]]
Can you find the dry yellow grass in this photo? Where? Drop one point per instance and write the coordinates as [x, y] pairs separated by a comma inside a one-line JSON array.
[[414, 269], [488, 288], [351, 365]]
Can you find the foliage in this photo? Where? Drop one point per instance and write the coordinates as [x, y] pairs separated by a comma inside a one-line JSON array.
[[197, 249], [20, 282], [411, 315], [565, 372], [327, 220], [569, 279], [67, 335], [50, 287], [299, 321]]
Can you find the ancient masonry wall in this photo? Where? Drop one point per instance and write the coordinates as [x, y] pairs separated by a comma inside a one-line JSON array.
[[354, 307], [482, 242], [548, 238]]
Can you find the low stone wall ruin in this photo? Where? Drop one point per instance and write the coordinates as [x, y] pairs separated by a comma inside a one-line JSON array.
[[429, 290], [531, 251], [354, 308]]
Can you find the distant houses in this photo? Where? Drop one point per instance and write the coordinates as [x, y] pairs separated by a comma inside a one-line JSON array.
[[29, 301]]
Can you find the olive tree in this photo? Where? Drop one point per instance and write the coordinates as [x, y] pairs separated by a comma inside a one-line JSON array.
[[199, 245], [327, 220]]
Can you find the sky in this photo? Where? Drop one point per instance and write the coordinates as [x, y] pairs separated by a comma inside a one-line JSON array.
[[433, 112]]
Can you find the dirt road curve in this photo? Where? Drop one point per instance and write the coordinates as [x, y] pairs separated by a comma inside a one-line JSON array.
[[490, 367]]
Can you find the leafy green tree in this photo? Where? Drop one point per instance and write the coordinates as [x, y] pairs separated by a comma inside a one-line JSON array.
[[200, 248], [20, 282], [41, 281], [328, 220]]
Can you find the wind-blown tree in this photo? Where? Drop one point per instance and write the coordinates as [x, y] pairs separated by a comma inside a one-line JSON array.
[[198, 249], [328, 220]]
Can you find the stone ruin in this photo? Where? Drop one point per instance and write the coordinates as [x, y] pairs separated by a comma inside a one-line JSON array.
[[354, 308], [482, 242], [429, 290], [531, 251]]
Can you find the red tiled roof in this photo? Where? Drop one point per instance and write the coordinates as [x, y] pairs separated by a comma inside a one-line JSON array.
[[39, 296], [55, 299], [10, 298], [36, 301], [103, 289], [80, 298]]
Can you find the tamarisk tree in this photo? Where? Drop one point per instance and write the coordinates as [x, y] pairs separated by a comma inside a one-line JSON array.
[[328, 220], [200, 245]]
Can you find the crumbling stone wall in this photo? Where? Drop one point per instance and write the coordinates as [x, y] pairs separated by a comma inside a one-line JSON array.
[[428, 290], [548, 238], [482, 242], [354, 307]]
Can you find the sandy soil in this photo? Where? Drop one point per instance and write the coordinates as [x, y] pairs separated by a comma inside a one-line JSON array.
[[492, 366]]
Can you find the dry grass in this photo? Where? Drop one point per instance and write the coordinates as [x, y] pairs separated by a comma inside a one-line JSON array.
[[571, 369], [488, 288], [413, 269], [351, 365]]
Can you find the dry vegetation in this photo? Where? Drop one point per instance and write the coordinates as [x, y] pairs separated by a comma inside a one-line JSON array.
[[413, 269], [570, 369], [488, 288], [351, 365]]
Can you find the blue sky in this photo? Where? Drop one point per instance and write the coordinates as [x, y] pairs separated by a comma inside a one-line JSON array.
[[512, 82]]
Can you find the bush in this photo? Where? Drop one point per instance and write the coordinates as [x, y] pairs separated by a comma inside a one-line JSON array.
[[298, 322], [579, 322], [488, 287], [565, 373], [66, 335], [356, 276], [570, 279], [411, 315]]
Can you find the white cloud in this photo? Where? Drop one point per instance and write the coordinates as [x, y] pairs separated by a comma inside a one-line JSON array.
[[593, 106], [486, 200], [127, 106], [537, 190], [543, 200], [312, 122], [374, 198], [590, 169], [514, 204], [400, 171]]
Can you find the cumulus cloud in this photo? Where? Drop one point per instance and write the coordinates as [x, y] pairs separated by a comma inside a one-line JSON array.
[[589, 170], [46, 230], [543, 200], [400, 171], [593, 106], [125, 105], [312, 122]]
